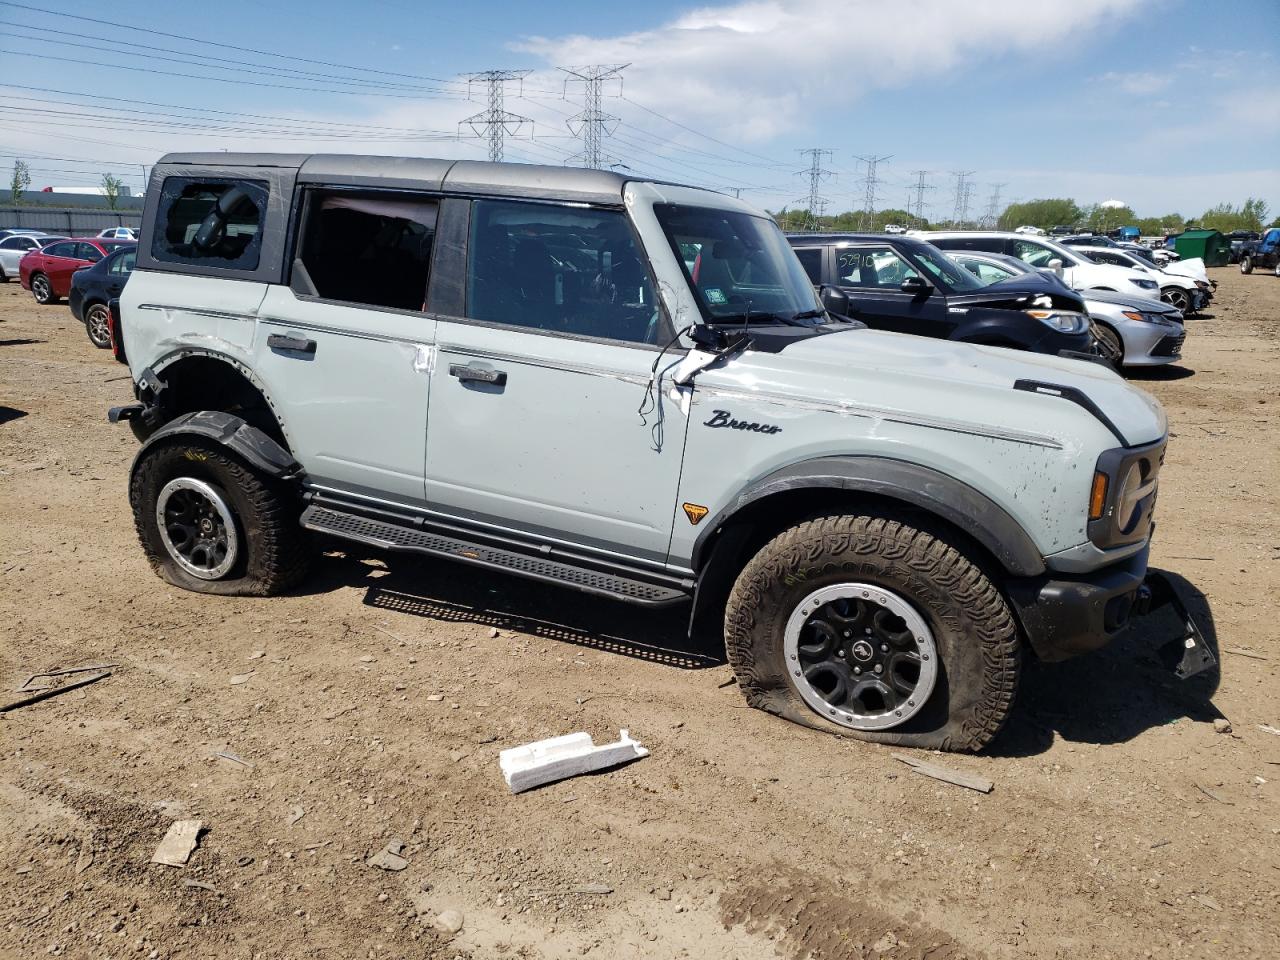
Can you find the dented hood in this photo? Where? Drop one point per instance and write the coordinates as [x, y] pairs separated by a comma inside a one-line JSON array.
[[968, 386]]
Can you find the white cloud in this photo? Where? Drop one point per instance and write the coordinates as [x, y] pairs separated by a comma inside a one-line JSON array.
[[1140, 84], [754, 70]]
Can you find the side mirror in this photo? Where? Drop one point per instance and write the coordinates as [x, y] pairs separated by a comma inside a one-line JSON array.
[[1056, 266], [916, 286], [835, 300]]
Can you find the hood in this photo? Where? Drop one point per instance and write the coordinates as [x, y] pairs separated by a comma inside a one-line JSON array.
[[1128, 302], [956, 386], [1024, 287], [1192, 268]]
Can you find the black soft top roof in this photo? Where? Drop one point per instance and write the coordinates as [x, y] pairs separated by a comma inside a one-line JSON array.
[[462, 176]]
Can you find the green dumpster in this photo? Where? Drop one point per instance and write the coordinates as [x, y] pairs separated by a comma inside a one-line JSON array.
[[1210, 245]]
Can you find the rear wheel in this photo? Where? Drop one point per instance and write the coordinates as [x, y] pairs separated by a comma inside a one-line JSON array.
[[1176, 297], [97, 322], [873, 627], [42, 289], [210, 524], [1246, 264]]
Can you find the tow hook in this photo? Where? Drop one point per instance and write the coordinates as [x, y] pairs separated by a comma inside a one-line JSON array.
[[1189, 654]]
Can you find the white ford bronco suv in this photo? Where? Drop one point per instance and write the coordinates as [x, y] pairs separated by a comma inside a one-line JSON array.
[[629, 388]]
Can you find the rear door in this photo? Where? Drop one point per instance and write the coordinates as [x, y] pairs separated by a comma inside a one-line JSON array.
[[346, 347], [542, 423], [872, 275]]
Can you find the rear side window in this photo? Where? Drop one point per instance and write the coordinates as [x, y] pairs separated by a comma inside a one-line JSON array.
[[811, 259], [87, 251], [212, 222], [63, 249], [369, 248], [123, 264], [559, 269]]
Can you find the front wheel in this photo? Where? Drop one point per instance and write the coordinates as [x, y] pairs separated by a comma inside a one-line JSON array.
[[874, 627], [210, 524], [42, 289], [1246, 264], [97, 323], [1176, 297], [1109, 345]]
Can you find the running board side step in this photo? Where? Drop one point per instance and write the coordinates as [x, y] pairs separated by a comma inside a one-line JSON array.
[[414, 539]]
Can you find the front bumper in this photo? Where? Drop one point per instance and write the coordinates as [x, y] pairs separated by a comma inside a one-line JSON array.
[[1063, 618], [1146, 344]]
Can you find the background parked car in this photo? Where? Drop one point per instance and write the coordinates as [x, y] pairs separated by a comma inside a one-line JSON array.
[[47, 272], [93, 288], [1237, 239], [1188, 295], [1079, 272], [118, 233], [1262, 253], [908, 286], [16, 246], [1131, 331], [21, 232]]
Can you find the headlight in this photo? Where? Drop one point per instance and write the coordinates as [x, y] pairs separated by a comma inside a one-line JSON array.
[[1145, 284], [1061, 320], [1133, 489], [1146, 317]]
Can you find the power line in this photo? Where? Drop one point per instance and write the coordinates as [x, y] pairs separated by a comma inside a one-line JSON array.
[[816, 205], [593, 124], [496, 122], [870, 183], [63, 15]]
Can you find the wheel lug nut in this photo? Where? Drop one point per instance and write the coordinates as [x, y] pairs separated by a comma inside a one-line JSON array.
[[848, 633], [879, 668], [857, 671], [884, 648]]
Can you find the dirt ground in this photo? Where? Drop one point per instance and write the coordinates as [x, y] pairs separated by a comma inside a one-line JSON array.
[[372, 704]]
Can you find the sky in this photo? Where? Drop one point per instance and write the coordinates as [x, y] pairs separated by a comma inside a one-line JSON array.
[[1166, 105]]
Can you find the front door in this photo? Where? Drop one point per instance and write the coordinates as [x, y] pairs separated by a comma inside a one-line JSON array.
[[872, 277], [542, 421]]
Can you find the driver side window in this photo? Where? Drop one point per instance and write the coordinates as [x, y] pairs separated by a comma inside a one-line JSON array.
[[560, 269], [872, 267], [212, 222]]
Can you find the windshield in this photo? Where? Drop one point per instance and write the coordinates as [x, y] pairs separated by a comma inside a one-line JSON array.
[[737, 263], [936, 263]]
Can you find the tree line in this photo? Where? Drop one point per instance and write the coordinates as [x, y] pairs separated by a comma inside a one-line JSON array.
[[1045, 214]]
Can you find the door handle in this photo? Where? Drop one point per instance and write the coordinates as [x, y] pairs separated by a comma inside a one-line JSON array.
[[280, 341], [496, 377]]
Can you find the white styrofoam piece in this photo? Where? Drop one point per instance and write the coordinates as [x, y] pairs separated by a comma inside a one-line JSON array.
[[559, 758]]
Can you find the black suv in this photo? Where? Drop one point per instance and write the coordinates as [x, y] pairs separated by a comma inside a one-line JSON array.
[[909, 286]]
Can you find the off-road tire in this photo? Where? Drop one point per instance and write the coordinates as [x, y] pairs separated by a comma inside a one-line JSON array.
[[1246, 264], [976, 637], [42, 289], [274, 549]]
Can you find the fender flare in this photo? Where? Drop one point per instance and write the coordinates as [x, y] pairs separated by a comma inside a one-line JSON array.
[[226, 429], [947, 498]]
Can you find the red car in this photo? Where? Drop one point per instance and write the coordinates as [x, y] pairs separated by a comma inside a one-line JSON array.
[[47, 271]]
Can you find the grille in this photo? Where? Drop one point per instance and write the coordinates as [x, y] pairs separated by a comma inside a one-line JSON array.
[[395, 537], [1170, 346]]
